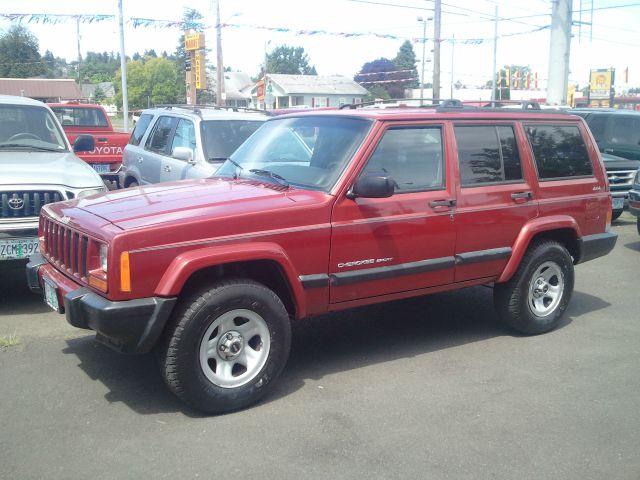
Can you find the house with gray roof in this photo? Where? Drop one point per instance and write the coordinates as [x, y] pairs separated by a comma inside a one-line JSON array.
[[306, 91]]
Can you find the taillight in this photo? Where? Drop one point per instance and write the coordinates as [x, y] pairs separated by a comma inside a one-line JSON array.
[[609, 211]]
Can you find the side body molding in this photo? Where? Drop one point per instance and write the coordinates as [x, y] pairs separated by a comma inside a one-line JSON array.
[[188, 263], [531, 229]]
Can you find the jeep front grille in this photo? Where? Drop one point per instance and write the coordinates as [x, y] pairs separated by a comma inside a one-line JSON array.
[[621, 178], [65, 248], [21, 203]]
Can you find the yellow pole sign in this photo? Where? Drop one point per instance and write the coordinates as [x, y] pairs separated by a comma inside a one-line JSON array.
[[193, 41], [201, 78]]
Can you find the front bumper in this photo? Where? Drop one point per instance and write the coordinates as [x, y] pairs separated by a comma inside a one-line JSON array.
[[130, 326], [634, 201]]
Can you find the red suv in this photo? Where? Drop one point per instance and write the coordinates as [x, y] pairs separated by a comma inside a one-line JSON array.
[[324, 211]]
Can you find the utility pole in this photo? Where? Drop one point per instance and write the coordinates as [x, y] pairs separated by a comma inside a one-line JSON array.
[[123, 69], [79, 53], [453, 52], [219, 65], [436, 49], [495, 58], [560, 44], [424, 43]]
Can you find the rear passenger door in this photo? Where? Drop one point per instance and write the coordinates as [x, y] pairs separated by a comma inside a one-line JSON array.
[[404, 242], [156, 149], [495, 198]]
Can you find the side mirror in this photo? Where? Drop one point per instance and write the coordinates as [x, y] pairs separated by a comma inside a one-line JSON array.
[[183, 153], [372, 186], [84, 143]]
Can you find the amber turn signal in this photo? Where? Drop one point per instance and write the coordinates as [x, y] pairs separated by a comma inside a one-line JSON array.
[[125, 276]]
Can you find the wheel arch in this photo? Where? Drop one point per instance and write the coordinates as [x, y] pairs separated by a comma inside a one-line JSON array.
[[264, 263], [562, 229]]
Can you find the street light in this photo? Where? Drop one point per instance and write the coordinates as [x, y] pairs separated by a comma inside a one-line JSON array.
[[424, 44]]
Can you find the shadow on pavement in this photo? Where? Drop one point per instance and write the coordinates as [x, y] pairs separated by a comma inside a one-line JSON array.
[[583, 303], [633, 246], [15, 296]]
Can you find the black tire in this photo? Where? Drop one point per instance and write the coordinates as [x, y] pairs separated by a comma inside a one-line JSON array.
[[531, 307], [132, 184], [202, 376], [638, 225], [615, 214]]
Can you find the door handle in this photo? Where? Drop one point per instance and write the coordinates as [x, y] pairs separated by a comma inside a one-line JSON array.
[[521, 197], [167, 168], [608, 150], [442, 205]]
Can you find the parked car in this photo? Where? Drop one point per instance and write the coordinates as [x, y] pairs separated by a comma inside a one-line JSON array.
[[178, 142], [37, 167], [617, 133], [376, 205], [634, 199], [92, 119]]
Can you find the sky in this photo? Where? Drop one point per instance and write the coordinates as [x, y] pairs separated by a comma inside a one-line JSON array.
[[611, 40]]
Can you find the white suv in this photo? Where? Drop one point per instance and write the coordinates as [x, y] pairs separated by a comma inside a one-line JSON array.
[[37, 166], [178, 141]]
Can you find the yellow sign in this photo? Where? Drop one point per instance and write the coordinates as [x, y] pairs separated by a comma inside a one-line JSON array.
[[600, 82], [201, 78], [193, 41]]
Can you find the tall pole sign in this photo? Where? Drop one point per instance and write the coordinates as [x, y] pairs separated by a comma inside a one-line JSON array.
[[195, 74]]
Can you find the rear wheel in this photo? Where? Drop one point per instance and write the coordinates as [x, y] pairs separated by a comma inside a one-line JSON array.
[[131, 184], [226, 346], [638, 225], [616, 214], [537, 295]]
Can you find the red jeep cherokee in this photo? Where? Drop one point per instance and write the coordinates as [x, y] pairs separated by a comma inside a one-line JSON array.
[[323, 211]]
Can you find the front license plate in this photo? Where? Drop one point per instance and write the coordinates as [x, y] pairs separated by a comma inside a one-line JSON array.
[[15, 248], [101, 167], [50, 294], [618, 203]]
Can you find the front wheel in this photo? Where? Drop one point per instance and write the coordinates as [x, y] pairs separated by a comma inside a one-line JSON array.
[[537, 295], [226, 346]]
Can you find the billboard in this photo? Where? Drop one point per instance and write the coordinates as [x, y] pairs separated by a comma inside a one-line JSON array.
[[601, 87]]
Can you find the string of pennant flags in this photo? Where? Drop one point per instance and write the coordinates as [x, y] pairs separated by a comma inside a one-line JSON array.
[[138, 22]]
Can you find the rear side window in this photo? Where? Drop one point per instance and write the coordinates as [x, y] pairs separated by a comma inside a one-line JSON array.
[[81, 117], [487, 154], [141, 127], [162, 132], [412, 157], [559, 151], [626, 130]]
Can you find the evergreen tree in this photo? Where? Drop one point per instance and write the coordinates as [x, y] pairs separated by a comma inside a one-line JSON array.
[[19, 55], [290, 61], [406, 60]]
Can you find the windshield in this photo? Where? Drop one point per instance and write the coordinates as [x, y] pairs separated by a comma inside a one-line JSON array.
[[29, 127], [220, 138], [309, 152]]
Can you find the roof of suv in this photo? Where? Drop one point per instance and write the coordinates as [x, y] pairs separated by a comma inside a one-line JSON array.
[[209, 112], [603, 111], [14, 100]]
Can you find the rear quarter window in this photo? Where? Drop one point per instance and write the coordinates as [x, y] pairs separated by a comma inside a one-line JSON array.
[[559, 151], [141, 126]]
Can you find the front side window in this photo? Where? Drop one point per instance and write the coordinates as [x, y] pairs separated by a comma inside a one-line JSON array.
[[308, 152], [626, 130], [411, 156], [559, 151], [26, 127], [487, 154], [185, 136], [598, 125], [161, 134]]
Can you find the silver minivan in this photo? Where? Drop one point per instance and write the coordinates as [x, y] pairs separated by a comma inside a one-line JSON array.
[[178, 142]]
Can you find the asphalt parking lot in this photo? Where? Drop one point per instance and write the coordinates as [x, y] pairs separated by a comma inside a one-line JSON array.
[[425, 388]]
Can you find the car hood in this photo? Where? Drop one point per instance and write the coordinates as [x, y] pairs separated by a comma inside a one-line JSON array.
[[613, 162], [189, 201], [46, 168]]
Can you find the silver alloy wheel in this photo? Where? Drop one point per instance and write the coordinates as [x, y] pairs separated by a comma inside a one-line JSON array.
[[234, 348], [545, 289]]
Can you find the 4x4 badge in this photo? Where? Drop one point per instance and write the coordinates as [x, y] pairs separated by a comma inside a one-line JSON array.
[[595, 189]]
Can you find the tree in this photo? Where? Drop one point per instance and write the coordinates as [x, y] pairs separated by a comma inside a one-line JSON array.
[[150, 81], [289, 61], [382, 74], [19, 55], [406, 60]]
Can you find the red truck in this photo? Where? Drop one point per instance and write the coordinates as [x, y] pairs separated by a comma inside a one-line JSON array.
[[85, 118], [324, 211]]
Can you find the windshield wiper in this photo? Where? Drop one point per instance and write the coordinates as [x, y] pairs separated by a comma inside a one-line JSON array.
[[35, 147], [268, 173]]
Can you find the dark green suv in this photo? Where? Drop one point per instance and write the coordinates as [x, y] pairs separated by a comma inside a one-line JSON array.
[[617, 133]]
